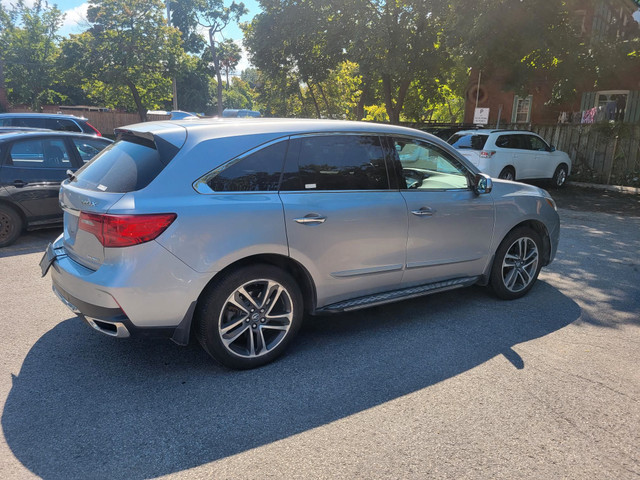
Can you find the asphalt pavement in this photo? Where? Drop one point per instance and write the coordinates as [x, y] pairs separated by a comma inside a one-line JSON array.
[[455, 385]]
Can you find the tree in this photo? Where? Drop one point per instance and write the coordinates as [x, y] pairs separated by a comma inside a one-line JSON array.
[[128, 46], [229, 55], [391, 41], [28, 41]]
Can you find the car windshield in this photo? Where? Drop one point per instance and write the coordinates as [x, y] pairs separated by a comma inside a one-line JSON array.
[[471, 141]]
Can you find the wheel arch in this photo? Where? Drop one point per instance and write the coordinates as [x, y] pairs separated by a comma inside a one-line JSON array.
[[184, 332], [537, 226]]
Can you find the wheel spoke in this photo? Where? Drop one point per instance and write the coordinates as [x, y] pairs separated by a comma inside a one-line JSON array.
[[510, 280], [283, 328], [242, 291], [251, 345], [236, 303], [274, 296], [263, 344], [235, 324], [228, 341], [526, 278]]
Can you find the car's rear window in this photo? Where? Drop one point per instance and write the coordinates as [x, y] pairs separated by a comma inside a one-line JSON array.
[[122, 167], [474, 141]]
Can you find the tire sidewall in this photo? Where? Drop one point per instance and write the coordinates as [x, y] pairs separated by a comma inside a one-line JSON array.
[[15, 225], [496, 280], [214, 299]]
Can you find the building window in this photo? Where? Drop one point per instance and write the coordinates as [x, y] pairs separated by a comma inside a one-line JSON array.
[[521, 109], [611, 105]]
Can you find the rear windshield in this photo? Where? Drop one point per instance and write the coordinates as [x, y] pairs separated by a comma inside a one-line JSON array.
[[122, 167], [473, 141]]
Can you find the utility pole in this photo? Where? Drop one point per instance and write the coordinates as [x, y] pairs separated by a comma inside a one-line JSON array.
[[173, 80]]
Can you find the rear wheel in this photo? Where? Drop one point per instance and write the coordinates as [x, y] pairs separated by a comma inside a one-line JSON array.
[[517, 264], [560, 176], [507, 173], [249, 316], [10, 225]]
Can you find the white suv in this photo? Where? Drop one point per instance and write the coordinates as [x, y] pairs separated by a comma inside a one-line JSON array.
[[513, 155]]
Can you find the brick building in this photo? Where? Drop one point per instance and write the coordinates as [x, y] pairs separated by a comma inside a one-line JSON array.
[[616, 98]]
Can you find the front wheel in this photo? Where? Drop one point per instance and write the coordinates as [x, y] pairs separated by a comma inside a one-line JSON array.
[[560, 176], [248, 317], [516, 264]]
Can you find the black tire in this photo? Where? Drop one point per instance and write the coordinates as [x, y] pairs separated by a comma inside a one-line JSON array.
[[560, 176], [10, 225], [507, 173], [253, 337], [513, 277]]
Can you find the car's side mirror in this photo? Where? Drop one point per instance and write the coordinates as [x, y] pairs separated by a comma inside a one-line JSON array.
[[482, 184], [551, 149]]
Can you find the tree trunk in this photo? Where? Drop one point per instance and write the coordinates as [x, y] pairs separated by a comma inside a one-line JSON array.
[[4, 101], [394, 110], [142, 112], [216, 64], [324, 97], [315, 102]]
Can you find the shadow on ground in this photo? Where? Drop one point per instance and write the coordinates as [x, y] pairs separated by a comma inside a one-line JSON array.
[[31, 242], [88, 406]]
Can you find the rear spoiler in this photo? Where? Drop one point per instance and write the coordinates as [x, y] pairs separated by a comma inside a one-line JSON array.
[[166, 149]]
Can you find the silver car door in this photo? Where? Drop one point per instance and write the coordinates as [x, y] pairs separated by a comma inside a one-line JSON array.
[[344, 224]]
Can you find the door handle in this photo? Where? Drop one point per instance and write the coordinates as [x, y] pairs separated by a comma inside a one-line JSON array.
[[311, 219], [424, 212], [19, 183]]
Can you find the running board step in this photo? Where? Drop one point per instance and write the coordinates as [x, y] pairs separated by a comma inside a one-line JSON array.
[[397, 295]]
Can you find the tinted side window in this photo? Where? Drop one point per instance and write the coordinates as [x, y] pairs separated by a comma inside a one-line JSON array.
[[32, 122], [88, 148], [124, 166], [39, 153], [535, 143], [63, 124], [509, 141], [336, 162], [259, 171], [466, 140]]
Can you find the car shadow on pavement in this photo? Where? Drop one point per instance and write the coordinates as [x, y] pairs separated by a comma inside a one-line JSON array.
[[89, 406], [31, 242]]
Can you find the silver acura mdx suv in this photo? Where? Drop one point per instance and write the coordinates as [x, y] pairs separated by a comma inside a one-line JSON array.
[[233, 230]]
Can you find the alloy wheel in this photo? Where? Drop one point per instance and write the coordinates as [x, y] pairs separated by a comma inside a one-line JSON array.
[[520, 264], [255, 318]]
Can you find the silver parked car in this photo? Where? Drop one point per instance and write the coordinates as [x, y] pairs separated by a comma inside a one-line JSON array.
[[233, 229]]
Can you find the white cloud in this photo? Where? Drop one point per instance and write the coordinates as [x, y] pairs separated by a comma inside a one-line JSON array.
[[75, 20]]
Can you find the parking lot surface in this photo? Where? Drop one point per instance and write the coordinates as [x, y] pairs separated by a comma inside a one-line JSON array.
[[454, 385]]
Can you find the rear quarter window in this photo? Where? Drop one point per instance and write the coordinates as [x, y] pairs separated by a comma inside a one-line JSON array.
[[124, 166], [468, 141]]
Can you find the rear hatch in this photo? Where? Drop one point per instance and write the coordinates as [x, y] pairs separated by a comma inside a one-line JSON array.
[[469, 145], [128, 165]]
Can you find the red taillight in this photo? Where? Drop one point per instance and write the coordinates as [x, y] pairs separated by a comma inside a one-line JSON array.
[[487, 153], [94, 129], [125, 230]]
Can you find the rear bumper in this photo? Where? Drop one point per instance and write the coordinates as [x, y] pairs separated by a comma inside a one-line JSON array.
[[150, 293]]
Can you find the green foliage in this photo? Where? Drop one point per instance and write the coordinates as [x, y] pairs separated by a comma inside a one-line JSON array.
[[28, 52], [128, 47]]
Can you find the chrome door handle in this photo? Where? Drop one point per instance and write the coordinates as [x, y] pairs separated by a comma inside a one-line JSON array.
[[424, 212], [311, 219]]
